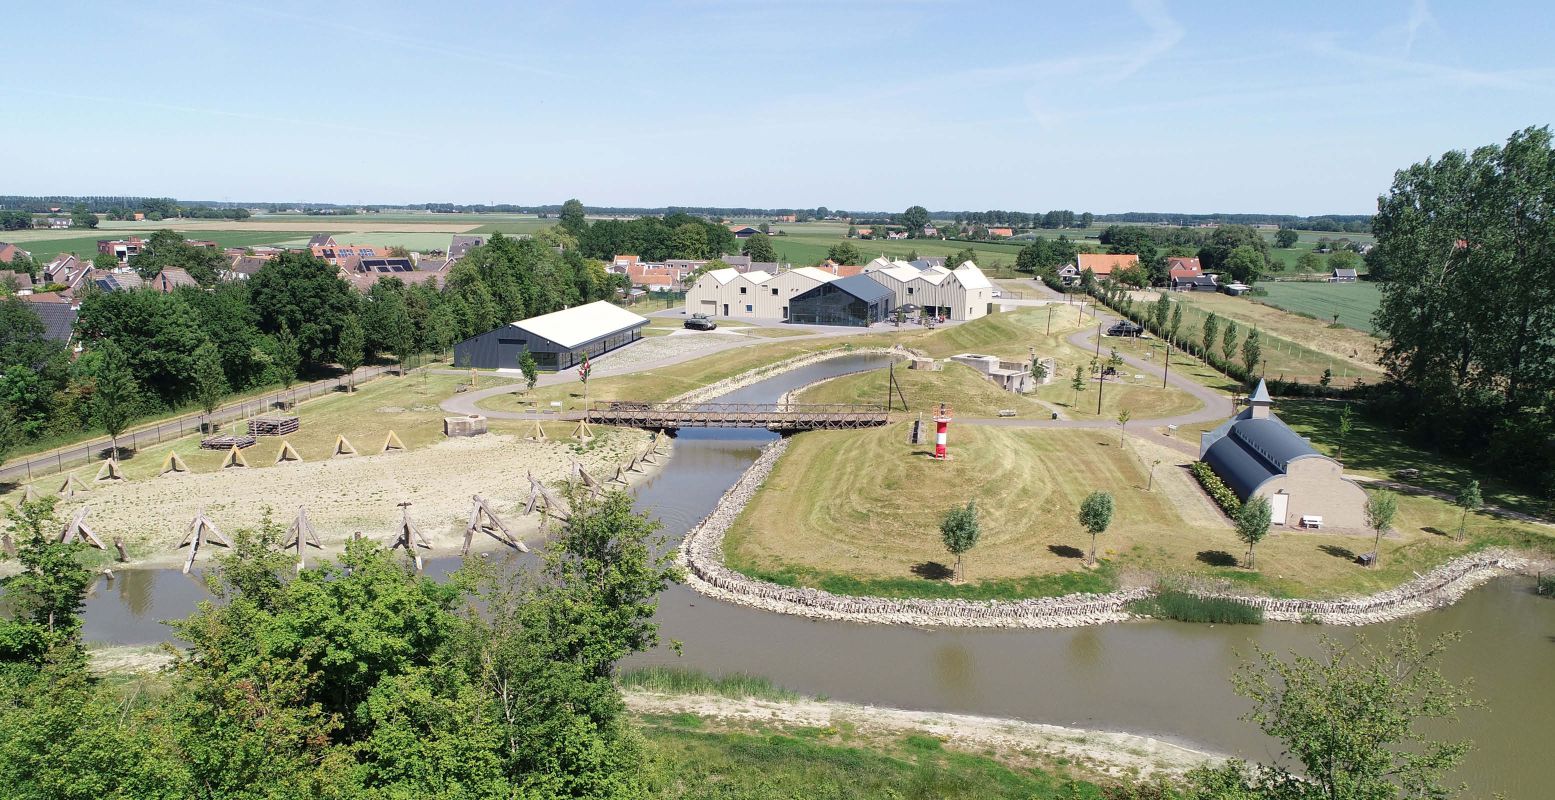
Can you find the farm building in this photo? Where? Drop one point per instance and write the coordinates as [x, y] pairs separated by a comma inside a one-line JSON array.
[[856, 301], [960, 294], [757, 294], [1258, 456], [557, 340], [1101, 265], [1343, 276]]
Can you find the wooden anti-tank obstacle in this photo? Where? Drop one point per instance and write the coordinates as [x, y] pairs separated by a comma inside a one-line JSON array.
[[301, 535], [583, 432], [30, 494], [392, 443], [484, 520], [71, 487], [409, 536], [109, 471], [234, 459], [620, 476], [201, 531], [581, 475], [173, 463], [343, 447], [546, 502], [288, 454], [78, 531], [537, 433]]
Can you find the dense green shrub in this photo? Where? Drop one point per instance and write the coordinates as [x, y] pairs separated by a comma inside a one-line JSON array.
[[1189, 607], [1216, 488]]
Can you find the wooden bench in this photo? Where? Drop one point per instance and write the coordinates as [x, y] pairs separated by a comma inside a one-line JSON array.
[[1311, 521]]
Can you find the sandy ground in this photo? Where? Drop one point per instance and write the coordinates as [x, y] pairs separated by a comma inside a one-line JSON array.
[[1103, 752], [1173, 479], [359, 493]]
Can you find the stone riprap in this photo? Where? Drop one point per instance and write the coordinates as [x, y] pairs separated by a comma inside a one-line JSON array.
[[750, 377]]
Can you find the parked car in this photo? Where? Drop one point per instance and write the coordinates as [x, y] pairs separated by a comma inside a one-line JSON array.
[[700, 322]]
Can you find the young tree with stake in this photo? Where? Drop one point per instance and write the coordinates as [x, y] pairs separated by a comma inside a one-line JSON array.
[[1228, 341], [1095, 516], [1381, 507], [1078, 385], [1346, 424], [115, 393], [351, 350], [210, 383], [1468, 499], [1123, 417], [531, 370], [960, 530], [1252, 523]]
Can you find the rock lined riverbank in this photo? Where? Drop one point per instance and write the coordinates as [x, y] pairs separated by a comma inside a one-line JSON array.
[[754, 376], [701, 553]]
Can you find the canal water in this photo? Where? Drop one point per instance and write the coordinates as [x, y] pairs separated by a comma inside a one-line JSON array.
[[1164, 679]]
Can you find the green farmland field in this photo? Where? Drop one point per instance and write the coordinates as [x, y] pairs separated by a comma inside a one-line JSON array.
[[85, 246], [1352, 302]]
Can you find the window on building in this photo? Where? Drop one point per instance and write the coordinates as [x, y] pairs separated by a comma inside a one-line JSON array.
[[748, 308], [774, 291], [742, 290]]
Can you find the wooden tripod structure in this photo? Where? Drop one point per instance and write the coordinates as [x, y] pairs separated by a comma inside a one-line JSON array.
[[582, 476], [201, 531], [409, 536], [584, 431], [546, 501], [484, 520], [78, 531], [301, 535], [110, 471], [71, 487]]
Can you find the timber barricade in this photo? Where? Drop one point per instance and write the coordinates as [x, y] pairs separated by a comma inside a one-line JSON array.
[[701, 554]]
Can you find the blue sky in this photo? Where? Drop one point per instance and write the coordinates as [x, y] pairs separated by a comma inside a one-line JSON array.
[[1115, 106]]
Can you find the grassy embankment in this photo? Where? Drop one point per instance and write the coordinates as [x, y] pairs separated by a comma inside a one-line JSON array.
[[857, 512], [1011, 335], [1295, 347]]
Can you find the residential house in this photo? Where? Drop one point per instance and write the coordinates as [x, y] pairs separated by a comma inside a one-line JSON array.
[[1181, 269], [118, 280], [121, 249], [335, 253], [9, 252], [785, 218], [68, 271], [56, 223], [321, 240], [15, 282], [1103, 265], [862, 232], [731, 293], [57, 313], [840, 270], [928, 261], [461, 245], [1201, 283], [171, 278], [930, 230], [1257, 455], [243, 266], [1344, 276], [743, 231], [1002, 233]]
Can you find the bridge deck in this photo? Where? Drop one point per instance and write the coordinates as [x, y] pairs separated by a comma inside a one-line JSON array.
[[790, 417]]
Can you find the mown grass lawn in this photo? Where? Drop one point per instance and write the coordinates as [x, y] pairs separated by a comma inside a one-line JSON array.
[[1352, 303]]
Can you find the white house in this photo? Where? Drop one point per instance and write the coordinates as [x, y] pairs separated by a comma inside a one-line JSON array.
[[751, 295], [959, 294]]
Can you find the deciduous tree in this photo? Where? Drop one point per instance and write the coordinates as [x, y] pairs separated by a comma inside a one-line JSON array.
[[1096, 516], [1381, 508], [959, 530], [351, 350], [1468, 499], [759, 248], [1252, 523], [115, 395], [1286, 237]]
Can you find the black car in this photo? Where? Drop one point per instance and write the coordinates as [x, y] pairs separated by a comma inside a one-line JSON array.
[[700, 322]]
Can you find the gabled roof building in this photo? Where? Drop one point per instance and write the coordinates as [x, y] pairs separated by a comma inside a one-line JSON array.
[[857, 301], [557, 340], [1257, 455]]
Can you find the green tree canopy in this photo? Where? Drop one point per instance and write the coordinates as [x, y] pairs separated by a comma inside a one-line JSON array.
[[759, 248], [959, 530], [1096, 516], [1286, 237], [1252, 523]]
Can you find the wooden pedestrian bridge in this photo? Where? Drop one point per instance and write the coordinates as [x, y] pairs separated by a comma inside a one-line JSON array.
[[772, 416]]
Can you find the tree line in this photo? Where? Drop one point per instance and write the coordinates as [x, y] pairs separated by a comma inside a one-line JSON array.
[[1467, 250], [295, 318]]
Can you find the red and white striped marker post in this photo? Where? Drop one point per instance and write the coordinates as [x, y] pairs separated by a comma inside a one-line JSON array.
[[941, 426]]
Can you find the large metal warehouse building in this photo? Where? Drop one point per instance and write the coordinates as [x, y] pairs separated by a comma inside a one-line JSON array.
[[557, 340]]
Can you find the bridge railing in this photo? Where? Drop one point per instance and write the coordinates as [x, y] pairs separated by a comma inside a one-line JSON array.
[[619, 406]]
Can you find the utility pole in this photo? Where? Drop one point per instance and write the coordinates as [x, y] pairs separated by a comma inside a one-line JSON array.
[[1098, 340], [1168, 370], [1050, 319], [1101, 383]]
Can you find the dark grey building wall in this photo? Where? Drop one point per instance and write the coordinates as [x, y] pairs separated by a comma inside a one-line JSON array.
[[502, 348]]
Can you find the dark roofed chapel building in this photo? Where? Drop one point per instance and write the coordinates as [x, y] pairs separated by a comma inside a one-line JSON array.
[[1258, 455]]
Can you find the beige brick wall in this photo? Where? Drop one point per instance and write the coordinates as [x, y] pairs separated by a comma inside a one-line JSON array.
[[1318, 486]]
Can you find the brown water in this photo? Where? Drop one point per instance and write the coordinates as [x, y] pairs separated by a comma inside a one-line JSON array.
[[1164, 679]]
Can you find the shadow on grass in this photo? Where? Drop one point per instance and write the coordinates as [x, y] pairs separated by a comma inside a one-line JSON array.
[[1338, 552], [1065, 551], [1217, 558], [933, 570], [1439, 531]]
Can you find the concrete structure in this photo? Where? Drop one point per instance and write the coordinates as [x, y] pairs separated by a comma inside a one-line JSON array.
[[1011, 376], [557, 340], [469, 425], [959, 294], [1258, 456]]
